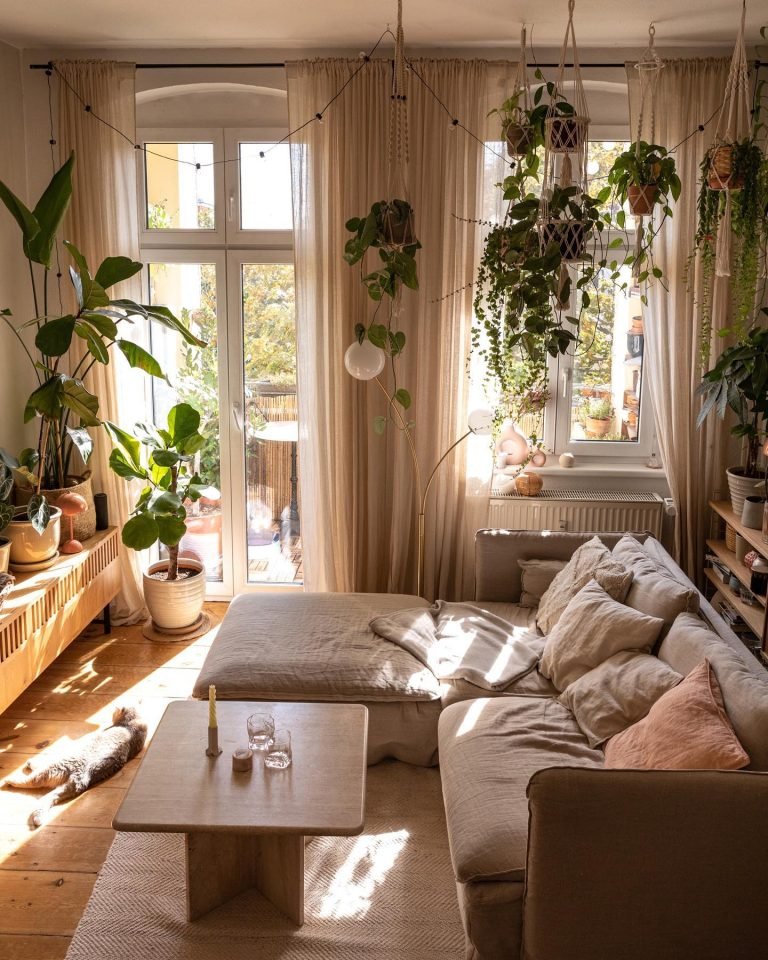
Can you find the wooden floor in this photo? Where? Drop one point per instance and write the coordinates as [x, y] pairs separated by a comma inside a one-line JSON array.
[[46, 876]]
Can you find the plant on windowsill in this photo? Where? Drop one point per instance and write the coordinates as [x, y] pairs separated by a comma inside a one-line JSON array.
[[739, 380], [599, 417], [66, 408], [174, 589]]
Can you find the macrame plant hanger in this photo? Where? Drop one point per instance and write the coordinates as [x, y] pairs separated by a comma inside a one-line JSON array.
[[648, 67], [566, 138], [733, 125], [519, 133]]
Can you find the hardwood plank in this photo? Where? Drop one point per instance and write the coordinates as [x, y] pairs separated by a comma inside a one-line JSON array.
[[95, 708], [115, 681], [74, 849], [43, 901], [13, 762], [21, 947], [109, 652], [94, 808]]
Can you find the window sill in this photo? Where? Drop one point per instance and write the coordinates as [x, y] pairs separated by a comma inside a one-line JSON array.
[[601, 468]]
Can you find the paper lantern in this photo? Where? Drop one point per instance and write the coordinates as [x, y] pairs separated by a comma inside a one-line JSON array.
[[364, 361]]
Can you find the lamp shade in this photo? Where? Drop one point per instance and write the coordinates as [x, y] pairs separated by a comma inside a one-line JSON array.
[[480, 421], [364, 361]]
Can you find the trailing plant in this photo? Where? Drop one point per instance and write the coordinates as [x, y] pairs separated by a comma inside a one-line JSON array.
[[67, 409], [6, 487], [739, 380], [163, 459], [388, 228], [741, 210]]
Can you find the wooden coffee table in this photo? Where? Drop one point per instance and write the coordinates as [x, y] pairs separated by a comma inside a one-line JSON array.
[[247, 830]]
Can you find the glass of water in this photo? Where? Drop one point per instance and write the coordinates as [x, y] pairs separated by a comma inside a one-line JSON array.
[[279, 754], [261, 730]]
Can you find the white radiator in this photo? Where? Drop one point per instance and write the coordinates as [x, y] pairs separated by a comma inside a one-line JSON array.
[[602, 511]]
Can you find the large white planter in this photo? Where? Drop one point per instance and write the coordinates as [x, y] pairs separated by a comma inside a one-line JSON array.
[[741, 487], [175, 604], [5, 554], [27, 545]]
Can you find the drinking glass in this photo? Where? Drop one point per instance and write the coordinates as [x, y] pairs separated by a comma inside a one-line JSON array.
[[261, 729], [279, 754]]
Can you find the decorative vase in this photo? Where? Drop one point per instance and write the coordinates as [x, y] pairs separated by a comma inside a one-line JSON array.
[[519, 138], [175, 604], [752, 512], [513, 442], [30, 547], [85, 523], [641, 198], [741, 487], [5, 554]]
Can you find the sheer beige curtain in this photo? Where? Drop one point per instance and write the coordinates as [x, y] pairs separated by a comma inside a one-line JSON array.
[[689, 92], [102, 222], [358, 490]]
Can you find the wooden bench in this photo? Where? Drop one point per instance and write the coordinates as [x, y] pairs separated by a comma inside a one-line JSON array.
[[46, 610]]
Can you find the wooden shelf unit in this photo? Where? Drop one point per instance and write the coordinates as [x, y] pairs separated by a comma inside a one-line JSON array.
[[753, 615], [46, 610]]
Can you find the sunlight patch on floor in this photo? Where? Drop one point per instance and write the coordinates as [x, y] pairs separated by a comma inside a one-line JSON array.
[[355, 883]]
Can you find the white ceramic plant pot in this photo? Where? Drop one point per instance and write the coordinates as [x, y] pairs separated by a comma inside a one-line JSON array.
[[5, 554], [29, 546], [741, 487], [175, 604]]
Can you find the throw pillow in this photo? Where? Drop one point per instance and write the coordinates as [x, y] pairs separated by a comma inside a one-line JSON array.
[[592, 560], [687, 729], [654, 591], [593, 628], [617, 693], [537, 575]]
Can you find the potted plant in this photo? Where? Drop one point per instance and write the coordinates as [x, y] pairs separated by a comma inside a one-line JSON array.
[[174, 588], [65, 406], [518, 130], [6, 515], [739, 380], [643, 175], [733, 197], [599, 417]]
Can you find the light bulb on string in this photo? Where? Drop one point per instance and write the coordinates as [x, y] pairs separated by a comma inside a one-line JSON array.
[[364, 361]]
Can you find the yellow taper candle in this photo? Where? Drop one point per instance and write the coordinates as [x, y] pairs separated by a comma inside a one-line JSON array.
[[212, 706]]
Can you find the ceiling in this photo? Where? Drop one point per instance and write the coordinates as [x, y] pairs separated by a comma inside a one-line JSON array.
[[299, 24]]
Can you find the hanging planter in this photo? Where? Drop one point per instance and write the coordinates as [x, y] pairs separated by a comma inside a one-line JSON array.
[[724, 173], [566, 134], [569, 235], [520, 138], [518, 127], [397, 224], [642, 199]]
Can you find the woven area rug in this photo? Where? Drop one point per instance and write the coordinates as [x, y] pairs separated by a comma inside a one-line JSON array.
[[388, 894]]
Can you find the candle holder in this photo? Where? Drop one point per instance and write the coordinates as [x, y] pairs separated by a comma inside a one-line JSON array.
[[214, 750]]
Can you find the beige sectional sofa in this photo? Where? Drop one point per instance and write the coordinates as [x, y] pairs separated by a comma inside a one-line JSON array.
[[557, 858]]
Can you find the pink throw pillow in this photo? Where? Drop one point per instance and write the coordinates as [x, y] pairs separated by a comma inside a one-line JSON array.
[[686, 729]]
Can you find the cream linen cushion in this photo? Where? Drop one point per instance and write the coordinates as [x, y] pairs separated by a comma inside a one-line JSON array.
[[617, 693], [592, 560], [537, 575], [653, 590], [593, 628]]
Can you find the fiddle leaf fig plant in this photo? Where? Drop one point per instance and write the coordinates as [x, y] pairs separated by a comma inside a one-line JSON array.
[[163, 458], [65, 406]]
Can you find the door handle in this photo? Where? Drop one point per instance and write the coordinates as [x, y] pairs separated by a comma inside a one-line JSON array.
[[237, 415]]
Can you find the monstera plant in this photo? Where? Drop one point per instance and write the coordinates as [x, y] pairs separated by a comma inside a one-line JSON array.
[[65, 407]]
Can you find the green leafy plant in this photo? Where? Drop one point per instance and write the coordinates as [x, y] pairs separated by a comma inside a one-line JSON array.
[[746, 195], [599, 408], [66, 407], [163, 459], [6, 488], [739, 381], [388, 228], [645, 164]]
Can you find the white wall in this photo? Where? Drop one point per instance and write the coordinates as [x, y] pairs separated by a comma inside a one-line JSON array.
[[16, 377]]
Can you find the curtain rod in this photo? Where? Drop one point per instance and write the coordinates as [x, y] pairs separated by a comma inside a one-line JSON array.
[[757, 64]]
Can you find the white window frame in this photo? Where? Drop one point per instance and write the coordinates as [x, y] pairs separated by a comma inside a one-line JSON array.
[[237, 235], [176, 237]]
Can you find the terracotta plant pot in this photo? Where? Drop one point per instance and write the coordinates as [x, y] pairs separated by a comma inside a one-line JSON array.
[[5, 554], [569, 235], [85, 523], [27, 545], [175, 604], [598, 428], [642, 198], [721, 176], [519, 139], [566, 134]]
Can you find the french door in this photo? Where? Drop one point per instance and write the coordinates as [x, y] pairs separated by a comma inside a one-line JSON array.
[[246, 528]]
